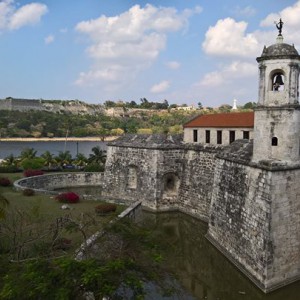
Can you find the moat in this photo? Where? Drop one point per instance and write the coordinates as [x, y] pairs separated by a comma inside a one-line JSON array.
[[202, 269]]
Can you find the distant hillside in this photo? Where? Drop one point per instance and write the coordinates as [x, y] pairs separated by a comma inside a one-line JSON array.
[[56, 118], [56, 106]]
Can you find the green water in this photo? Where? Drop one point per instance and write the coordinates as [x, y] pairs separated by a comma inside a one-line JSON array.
[[201, 268]]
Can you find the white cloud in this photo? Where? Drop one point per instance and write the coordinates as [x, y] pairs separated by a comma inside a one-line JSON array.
[[290, 14], [173, 65], [49, 39], [28, 14], [229, 74], [130, 41], [13, 18], [228, 38], [160, 87]]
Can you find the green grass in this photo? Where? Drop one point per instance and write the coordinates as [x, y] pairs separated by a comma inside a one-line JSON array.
[[47, 211]]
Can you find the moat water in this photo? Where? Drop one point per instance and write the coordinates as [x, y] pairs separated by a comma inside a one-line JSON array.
[[201, 269]]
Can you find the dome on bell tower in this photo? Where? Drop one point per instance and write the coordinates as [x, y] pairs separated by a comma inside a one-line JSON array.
[[279, 50]]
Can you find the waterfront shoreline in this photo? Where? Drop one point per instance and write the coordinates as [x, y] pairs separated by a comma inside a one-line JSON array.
[[59, 139]]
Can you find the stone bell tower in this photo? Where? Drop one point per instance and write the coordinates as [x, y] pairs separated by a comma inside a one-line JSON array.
[[277, 116]]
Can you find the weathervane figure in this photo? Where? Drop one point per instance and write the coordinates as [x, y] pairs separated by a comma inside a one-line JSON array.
[[279, 26]]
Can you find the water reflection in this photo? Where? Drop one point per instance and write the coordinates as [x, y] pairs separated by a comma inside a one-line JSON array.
[[201, 268]]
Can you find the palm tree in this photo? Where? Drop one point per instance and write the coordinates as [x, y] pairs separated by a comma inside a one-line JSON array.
[[49, 159], [28, 153], [98, 156], [11, 160], [64, 158], [80, 160]]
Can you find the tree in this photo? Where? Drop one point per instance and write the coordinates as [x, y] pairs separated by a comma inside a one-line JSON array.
[[249, 105], [28, 153], [225, 108], [11, 160], [103, 133], [117, 131], [80, 160], [109, 104], [64, 158], [49, 159], [98, 156], [200, 106]]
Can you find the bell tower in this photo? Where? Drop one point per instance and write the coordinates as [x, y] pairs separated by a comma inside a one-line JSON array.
[[277, 116]]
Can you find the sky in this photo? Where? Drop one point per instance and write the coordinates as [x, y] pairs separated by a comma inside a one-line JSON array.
[[182, 51]]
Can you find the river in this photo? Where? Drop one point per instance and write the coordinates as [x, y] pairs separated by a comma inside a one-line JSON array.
[[15, 148]]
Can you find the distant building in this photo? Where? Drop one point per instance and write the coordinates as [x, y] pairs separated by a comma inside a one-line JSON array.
[[186, 108], [222, 129]]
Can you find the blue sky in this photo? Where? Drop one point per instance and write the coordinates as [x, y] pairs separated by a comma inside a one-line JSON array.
[[98, 50]]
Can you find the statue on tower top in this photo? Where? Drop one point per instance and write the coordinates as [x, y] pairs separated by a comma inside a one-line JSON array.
[[279, 26]]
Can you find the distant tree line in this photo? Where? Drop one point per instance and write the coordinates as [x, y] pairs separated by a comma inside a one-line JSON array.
[[145, 104], [46, 124]]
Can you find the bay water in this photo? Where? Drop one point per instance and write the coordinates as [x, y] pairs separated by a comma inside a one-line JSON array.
[[15, 148]]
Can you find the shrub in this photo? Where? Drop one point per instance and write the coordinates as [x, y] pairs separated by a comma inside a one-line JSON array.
[[30, 173], [9, 169], [4, 181], [32, 163], [68, 197], [28, 192], [94, 167], [105, 208]]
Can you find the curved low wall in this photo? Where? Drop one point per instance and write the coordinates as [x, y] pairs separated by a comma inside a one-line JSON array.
[[48, 183]]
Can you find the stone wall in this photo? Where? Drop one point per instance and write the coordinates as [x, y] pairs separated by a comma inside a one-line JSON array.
[[254, 221], [162, 172], [240, 216], [285, 227], [50, 182]]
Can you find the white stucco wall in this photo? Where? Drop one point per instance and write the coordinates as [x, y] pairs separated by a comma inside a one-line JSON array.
[[189, 134]]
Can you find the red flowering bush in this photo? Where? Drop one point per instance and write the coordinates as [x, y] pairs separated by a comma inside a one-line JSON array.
[[30, 173], [105, 208], [4, 181], [68, 197]]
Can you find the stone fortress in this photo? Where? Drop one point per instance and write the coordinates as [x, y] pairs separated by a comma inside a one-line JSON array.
[[246, 185]]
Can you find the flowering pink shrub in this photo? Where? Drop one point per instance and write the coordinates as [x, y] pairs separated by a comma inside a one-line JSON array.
[[30, 173], [68, 197], [4, 181]]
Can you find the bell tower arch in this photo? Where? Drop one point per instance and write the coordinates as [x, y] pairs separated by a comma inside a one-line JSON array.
[[277, 116]]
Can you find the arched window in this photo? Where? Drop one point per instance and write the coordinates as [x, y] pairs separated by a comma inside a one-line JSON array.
[[277, 79], [274, 141]]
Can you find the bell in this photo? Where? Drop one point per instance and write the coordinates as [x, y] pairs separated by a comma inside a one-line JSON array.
[[278, 80]]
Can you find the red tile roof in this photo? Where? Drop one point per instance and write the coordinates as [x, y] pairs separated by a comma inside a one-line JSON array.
[[242, 119]]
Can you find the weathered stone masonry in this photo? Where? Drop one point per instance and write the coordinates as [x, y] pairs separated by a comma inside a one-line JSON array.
[[170, 175]]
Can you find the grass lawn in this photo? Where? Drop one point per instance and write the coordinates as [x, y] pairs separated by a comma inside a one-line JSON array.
[[40, 212]]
